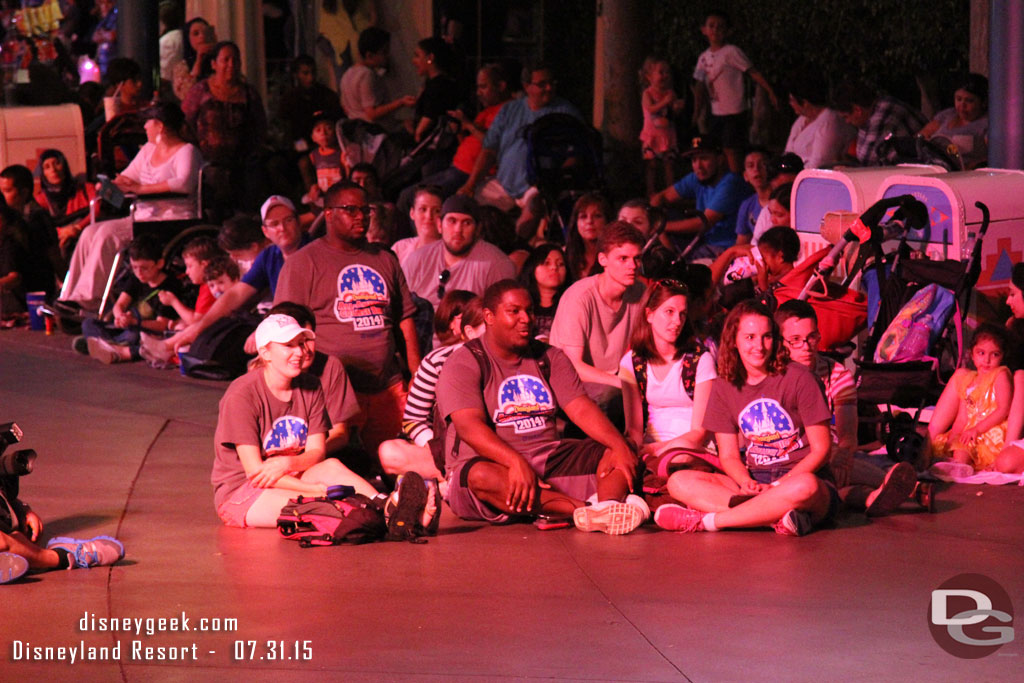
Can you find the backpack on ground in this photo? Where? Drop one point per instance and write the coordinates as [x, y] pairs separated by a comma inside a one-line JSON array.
[[219, 350], [322, 521]]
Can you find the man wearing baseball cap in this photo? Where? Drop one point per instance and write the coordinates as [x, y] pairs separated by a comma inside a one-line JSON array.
[[281, 226], [460, 259], [718, 194]]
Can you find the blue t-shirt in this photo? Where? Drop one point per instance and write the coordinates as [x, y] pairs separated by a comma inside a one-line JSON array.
[[506, 136], [267, 267], [747, 215], [724, 197]]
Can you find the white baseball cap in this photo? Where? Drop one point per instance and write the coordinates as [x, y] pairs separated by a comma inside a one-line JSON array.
[[272, 201], [280, 328]]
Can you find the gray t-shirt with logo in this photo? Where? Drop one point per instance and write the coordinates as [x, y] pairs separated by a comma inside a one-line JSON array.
[[250, 415], [358, 299], [516, 399], [770, 415]]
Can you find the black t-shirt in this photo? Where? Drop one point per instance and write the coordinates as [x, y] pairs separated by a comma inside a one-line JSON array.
[[440, 94], [146, 300]]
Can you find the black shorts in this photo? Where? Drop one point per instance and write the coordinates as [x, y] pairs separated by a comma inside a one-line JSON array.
[[732, 131]]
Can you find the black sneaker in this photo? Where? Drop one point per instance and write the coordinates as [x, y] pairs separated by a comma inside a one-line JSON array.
[[81, 345], [404, 509]]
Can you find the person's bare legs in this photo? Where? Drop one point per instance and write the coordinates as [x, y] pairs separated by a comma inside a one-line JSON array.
[[488, 481], [38, 558], [398, 456], [708, 493], [265, 510]]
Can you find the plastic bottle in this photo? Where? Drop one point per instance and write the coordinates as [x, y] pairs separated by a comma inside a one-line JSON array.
[[968, 246]]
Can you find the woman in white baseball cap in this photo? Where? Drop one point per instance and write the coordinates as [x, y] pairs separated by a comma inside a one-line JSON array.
[[271, 432]]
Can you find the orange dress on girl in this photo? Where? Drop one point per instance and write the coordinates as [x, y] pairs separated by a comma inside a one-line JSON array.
[[978, 393]]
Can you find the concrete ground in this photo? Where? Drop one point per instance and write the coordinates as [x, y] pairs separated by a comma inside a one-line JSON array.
[[126, 451]]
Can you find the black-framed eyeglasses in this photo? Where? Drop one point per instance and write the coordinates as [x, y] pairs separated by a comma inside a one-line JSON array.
[[809, 341], [351, 209], [545, 83], [442, 280]]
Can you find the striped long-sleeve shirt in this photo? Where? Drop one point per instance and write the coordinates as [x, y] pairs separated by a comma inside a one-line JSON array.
[[417, 421]]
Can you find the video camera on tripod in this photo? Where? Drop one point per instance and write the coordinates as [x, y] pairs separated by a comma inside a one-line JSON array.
[[19, 463]]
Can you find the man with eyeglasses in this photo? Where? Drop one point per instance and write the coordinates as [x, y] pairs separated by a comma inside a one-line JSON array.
[[359, 296], [506, 144], [460, 260], [280, 226], [861, 485]]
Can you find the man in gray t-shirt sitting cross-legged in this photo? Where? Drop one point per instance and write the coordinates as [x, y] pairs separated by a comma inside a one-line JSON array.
[[503, 455]]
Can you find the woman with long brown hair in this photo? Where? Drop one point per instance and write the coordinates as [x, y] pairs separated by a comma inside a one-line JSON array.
[[779, 408], [666, 380]]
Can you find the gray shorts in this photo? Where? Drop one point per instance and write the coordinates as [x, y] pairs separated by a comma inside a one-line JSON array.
[[570, 469]]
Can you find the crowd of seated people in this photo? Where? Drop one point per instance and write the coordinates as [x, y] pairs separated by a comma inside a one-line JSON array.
[[531, 374]]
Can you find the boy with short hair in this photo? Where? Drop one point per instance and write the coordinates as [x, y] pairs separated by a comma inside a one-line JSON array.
[[197, 254], [755, 173], [39, 238], [596, 314], [138, 308], [221, 274], [719, 75]]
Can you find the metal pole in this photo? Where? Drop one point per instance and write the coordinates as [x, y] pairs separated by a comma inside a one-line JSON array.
[[138, 36], [1006, 90]]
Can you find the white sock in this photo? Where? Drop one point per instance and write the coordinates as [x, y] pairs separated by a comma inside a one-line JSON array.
[[708, 521]]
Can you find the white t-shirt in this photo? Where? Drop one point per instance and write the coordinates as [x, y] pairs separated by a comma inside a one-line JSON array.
[[820, 142], [722, 72], [669, 408]]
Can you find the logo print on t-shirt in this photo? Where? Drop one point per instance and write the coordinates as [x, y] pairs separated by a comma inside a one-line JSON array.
[[287, 436], [362, 298], [524, 402], [770, 431]]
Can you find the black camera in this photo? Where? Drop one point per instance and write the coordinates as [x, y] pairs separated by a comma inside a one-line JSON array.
[[18, 463]]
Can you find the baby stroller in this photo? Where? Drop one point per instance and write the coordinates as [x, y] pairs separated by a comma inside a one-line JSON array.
[[916, 338], [565, 161]]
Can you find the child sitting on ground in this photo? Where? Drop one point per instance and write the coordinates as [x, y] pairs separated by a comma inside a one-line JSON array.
[[220, 275], [327, 163], [969, 422], [197, 256], [137, 309]]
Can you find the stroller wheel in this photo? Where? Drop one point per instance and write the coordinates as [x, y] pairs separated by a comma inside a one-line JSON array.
[[924, 494]]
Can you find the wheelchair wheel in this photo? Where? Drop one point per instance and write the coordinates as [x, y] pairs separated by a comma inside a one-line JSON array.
[[173, 260]]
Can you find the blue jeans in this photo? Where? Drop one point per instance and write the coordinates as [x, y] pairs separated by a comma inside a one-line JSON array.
[[93, 327]]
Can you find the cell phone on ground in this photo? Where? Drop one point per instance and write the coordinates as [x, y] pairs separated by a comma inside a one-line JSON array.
[[549, 522]]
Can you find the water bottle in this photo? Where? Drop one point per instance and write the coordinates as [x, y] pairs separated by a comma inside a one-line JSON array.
[[967, 249]]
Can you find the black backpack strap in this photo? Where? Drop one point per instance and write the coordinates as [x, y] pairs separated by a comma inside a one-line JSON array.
[[640, 372], [691, 358], [475, 347]]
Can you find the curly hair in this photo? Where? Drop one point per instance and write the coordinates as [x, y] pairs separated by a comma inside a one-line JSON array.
[[730, 367]]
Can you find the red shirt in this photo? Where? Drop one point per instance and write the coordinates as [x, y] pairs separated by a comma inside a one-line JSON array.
[[469, 148]]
